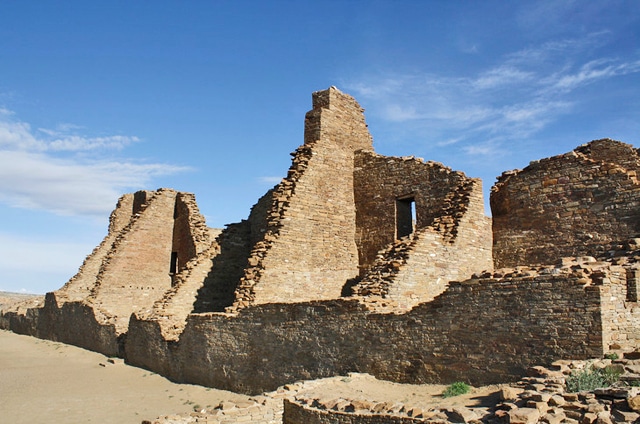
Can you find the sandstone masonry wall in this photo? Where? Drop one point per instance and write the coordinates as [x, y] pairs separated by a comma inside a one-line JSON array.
[[483, 330], [382, 181], [451, 239], [194, 245], [129, 271], [312, 212], [263, 302], [620, 308], [567, 205], [136, 272], [80, 284]]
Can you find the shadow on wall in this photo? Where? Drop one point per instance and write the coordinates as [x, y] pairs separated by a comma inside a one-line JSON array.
[[227, 268]]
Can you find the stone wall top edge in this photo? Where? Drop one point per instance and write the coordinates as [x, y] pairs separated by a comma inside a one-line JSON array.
[[332, 96], [536, 164], [419, 160]]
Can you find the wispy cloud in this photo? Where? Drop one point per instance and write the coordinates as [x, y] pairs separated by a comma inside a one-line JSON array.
[[591, 72], [520, 95], [270, 180], [40, 170]]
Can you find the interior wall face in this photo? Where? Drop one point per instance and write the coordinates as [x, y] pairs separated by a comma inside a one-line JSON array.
[[383, 183]]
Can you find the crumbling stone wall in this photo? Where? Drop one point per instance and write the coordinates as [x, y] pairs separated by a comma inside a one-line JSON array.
[[312, 212], [620, 308], [129, 271], [567, 205], [77, 288], [296, 412], [136, 272], [451, 238], [382, 182], [259, 304], [483, 330], [193, 247]]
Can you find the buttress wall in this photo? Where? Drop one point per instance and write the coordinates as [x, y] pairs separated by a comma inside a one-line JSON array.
[[136, 272], [308, 250], [566, 205]]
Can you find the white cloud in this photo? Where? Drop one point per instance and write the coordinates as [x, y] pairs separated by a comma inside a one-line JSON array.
[[501, 77], [591, 72], [32, 177], [40, 264], [16, 253], [520, 95], [270, 180]]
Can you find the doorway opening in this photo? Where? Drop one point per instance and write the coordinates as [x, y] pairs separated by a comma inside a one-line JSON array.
[[405, 216]]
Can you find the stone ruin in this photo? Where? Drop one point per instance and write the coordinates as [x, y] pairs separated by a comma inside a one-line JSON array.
[[357, 262]]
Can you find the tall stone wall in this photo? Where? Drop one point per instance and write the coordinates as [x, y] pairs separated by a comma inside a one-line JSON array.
[[129, 271], [483, 331], [567, 205], [381, 183], [312, 212], [451, 239], [620, 307], [136, 272], [194, 247]]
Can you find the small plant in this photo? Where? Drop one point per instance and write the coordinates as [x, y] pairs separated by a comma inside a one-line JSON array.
[[613, 356], [456, 389], [591, 379]]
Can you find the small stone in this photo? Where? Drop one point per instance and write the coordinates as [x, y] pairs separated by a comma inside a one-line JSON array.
[[524, 416], [553, 418], [632, 355], [556, 400], [510, 393], [626, 416], [461, 415], [604, 418], [634, 403]]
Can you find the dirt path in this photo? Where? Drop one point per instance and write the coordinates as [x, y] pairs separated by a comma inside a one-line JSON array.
[[43, 381]]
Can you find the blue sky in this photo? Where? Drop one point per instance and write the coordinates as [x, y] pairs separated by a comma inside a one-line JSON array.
[[101, 98]]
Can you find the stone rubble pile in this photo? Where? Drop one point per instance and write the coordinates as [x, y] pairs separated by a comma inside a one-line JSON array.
[[543, 396], [540, 397]]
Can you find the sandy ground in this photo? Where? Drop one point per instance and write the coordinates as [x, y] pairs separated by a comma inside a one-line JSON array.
[[43, 381]]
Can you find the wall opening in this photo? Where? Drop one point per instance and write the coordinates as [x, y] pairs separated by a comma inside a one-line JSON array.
[[633, 280], [173, 266], [405, 216]]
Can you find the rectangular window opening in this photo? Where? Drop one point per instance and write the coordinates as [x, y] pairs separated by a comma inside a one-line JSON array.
[[173, 266], [405, 216]]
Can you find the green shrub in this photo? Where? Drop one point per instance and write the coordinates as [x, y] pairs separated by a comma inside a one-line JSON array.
[[592, 378], [455, 389], [613, 356]]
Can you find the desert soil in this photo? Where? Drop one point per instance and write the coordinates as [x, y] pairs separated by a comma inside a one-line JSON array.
[[45, 381]]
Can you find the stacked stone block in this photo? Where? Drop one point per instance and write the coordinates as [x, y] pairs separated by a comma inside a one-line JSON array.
[[567, 205]]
